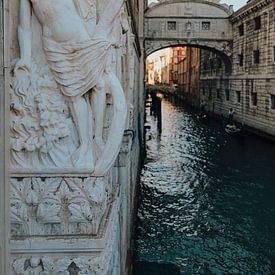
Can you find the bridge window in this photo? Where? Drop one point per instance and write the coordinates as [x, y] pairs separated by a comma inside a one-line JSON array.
[[171, 25], [257, 22], [241, 60], [256, 57], [272, 99], [254, 99], [238, 96], [205, 26], [241, 30]]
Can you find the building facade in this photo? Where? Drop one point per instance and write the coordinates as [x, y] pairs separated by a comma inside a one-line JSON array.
[[249, 86], [189, 76]]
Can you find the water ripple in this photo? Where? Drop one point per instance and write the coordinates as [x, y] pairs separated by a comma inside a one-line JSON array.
[[207, 200]]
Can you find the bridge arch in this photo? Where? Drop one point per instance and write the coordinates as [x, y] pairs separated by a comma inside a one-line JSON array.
[[196, 23]]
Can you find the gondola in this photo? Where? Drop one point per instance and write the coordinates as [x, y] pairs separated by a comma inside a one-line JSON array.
[[232, 129], [202, 117]]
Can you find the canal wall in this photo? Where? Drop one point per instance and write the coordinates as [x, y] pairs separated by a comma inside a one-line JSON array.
[[70, 209], [250, 86]]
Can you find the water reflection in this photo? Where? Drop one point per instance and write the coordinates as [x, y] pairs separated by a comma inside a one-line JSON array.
[[207, 199]]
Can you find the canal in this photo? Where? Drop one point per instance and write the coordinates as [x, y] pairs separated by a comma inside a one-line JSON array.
[[207, 200]]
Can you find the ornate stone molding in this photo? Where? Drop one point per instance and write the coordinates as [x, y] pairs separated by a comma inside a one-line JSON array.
[[65, 265], [249, 9], [58, 206]]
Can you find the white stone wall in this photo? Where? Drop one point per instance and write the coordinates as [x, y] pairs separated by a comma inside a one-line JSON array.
[[71, 221]]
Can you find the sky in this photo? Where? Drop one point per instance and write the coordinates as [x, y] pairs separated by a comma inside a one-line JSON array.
[[236, 3]]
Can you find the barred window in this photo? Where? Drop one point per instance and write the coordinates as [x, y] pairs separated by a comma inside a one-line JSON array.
[[256, 57], [238, 96], [254, 99], [257, 23], [171, 25], [241, 60], [205, 26], [241, 30]]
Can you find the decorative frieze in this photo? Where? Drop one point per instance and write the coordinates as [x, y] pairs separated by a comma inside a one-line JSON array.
[[63, 266], [58, 206]]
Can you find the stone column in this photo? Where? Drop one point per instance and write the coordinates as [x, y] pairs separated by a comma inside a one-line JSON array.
[[4, 191]]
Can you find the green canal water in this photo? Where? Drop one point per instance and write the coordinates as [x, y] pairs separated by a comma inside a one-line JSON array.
[[207, 200]]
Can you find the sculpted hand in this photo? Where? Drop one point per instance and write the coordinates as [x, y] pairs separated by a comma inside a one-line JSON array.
[[22, 76]]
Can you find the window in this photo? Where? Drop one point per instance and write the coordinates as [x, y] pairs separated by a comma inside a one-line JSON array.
[[171, 25], [256, 57], [254, 99], [257, 23], [241, 60], [241, 30], [273, 53], [203, 91], [188, 26], [205, 26], [238, 96], [227, 95], [272, 99]]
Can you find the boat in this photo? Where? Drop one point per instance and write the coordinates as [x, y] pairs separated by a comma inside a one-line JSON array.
[[232, 129], [202, 117]]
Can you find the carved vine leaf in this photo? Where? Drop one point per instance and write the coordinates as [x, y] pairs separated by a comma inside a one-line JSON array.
[[63, 191], [49, 210], [81, 211], [19, 210], [59, 267], [48, 264], [82, 264], [50, 206], [51, 185], [19, 266], [62, 266]]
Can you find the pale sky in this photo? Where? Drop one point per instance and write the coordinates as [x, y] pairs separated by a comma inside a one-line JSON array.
[[236, 3]]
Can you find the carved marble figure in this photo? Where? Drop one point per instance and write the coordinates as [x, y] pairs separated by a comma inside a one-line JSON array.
[[63, 101]]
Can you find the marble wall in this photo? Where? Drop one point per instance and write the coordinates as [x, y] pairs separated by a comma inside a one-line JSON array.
[[74, 154]]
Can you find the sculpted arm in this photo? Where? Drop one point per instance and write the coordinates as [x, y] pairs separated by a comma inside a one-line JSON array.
[[23, 66], [24, 35]]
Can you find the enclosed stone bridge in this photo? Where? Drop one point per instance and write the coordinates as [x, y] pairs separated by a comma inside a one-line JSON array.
[[167, 89], [197, 23]]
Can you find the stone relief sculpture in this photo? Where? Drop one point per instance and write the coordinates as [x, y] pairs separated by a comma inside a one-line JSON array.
[[65, 266], [59, 206], [58, 99]]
